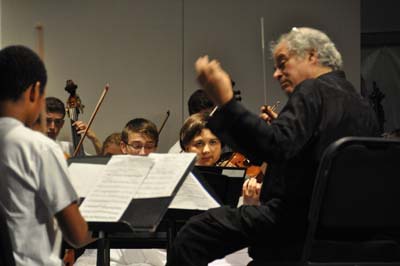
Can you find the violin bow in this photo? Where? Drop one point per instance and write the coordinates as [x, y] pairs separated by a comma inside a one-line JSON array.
[[164, 122], [263, 59], [96, 109]]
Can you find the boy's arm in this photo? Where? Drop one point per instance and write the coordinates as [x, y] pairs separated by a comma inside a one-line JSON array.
[[73, 226]]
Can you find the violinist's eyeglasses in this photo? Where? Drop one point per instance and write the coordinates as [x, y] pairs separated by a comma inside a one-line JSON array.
[[138, 145], [58, 121]]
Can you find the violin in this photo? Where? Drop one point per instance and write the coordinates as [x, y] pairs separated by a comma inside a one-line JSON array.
[[73, 108], [237, 159]]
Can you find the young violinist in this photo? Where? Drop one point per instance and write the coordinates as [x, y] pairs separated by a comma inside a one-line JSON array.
[[139, 137], [34, 186], [55, 114], [196, 137]]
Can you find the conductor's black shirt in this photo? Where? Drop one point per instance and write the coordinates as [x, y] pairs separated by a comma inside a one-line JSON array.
[[318, 112]]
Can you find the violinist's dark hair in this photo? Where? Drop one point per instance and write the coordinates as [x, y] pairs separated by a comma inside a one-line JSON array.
[[55, 105], [199, 102], [140, 125], [20, 67], [192, 127]]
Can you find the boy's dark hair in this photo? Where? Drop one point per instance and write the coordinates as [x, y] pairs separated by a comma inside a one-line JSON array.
[[20, 67], [55, 105], [199, 102], [140, 125]]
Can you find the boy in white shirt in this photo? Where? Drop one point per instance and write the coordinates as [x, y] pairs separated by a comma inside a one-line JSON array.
[[34, 187]]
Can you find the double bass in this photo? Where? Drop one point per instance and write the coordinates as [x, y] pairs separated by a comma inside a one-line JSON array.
[[74, 107]]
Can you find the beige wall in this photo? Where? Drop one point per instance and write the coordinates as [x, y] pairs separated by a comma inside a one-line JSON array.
[[146, 49]]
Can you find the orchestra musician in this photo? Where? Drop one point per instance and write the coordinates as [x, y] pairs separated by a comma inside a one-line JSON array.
[[55, 114], [196, 137], [40, 192], [322, 107], [139, 137]]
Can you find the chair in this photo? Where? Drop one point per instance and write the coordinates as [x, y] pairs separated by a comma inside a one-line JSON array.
[[354, 216], [6, 252]]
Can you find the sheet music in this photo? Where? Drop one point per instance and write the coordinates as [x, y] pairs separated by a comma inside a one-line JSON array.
[[121, 178], [84, 176], [193, 196], [165, 175]]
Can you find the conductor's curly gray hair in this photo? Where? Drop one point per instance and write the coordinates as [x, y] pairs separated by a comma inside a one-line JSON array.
[[301, 41]]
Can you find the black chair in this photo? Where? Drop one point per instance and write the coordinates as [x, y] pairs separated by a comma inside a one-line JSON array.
[[6, 252], [354, 216]]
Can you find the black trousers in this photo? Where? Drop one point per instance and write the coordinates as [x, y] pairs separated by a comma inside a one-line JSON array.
[[221, 231]]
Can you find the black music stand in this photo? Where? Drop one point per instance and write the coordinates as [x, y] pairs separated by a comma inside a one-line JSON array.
[[226, 182], [142, 215]]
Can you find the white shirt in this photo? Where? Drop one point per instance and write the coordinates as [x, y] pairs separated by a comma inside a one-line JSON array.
[[176, 148], [34, 186], [66, 147]]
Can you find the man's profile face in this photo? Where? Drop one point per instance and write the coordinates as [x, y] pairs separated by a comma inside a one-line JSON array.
[[138, 144], [290, 69], [54, 122]]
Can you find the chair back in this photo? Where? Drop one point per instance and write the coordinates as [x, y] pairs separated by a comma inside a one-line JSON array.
[[356, 195]]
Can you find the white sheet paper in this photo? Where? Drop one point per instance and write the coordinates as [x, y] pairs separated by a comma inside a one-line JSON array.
[[121, 179], [165, 175], [193, 196], [84, 176]]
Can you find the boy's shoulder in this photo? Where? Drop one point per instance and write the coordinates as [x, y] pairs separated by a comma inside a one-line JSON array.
[[15, 134]]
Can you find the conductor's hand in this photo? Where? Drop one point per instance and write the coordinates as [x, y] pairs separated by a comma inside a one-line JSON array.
[[267, 113], [251, 192], [214, 80]]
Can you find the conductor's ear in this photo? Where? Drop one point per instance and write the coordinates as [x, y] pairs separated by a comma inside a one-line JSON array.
[[313, 56]]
